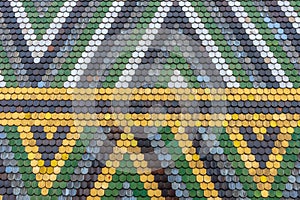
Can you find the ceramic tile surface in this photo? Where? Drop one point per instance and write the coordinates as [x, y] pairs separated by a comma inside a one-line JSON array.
[[175, 99]]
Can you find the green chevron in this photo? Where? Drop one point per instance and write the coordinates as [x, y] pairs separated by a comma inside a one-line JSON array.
[[84, 39], [6, 70], [221, 43], [26, 170], [126, 172], [232, 155], [181, 163], [41, 24], [271, 41]]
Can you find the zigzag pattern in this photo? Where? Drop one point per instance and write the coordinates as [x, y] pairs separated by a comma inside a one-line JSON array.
[[60, 45], [149, 99]]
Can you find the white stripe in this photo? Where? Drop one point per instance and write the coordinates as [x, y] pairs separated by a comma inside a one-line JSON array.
[[2, 82], [38, 47], [256, 37], [194, 19], [97, 39], [211, 48], [293, 55], [142, 47], [290, 14], [130, 68], [177, 81]]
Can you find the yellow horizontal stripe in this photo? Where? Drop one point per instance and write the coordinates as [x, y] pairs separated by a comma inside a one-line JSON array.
[[148, 119], [229, 94]]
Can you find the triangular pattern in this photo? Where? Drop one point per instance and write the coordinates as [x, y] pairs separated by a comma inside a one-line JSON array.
[[263, 177], [143, 28], [46, 173], [105, 178], [35, 180], [174, 58], [196, 7], [261, 146], [39, 19], [49, 43], [127, 144], [38, 163], [48, 140], [125, 56], [129, 68], [260, 142], [126, 173]]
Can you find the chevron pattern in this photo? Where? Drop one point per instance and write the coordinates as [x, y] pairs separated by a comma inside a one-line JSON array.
[[175, 99]]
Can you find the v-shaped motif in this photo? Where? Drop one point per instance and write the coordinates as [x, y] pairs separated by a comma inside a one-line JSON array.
[[263, 177], [47, 174]]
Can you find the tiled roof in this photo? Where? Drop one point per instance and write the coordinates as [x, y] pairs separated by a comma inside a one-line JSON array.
[[175, 99]]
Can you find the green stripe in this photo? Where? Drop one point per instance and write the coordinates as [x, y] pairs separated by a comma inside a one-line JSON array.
[[84, 39], [181, 163], [177, 61], [26, 170], [24, 164], [140, 30], [126, 172], [41, 24], [78, 150], [180, 63], [296, 6], [6, 70], [241, 171], [271, 41], [222, 45], [81, 43], [286, 165]]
